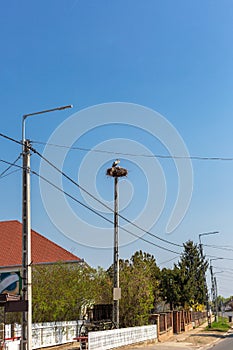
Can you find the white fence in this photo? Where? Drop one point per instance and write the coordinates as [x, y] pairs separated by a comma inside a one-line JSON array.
[[12, 345], [58, 333], [114, 338], [54, 333], [44, 334]]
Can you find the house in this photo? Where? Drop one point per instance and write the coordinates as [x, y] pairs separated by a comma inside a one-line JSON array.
[[43, 251]]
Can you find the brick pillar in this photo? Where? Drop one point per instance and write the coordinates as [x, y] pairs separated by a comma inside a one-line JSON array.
[[155, 319]]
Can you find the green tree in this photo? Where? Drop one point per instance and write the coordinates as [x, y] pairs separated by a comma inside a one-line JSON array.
[[170, 287], [138, 284], [102, 286], [60, 291], [192, 268]]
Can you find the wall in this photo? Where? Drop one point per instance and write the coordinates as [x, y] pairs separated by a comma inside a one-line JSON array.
[[114, 338]]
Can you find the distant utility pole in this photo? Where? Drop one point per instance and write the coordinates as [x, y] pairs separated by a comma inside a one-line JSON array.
[[212, 282], [214, 291], [204, 276], [216, 299], [116, 172]]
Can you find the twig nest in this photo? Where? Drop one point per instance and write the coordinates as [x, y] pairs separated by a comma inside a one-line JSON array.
[[117, 172]]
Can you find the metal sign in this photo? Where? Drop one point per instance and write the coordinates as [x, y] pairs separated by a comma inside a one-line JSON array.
[[16, 306], [10, 282]]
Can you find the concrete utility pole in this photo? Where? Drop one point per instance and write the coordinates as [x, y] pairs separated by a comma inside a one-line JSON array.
[[205, 283], [216, 299], [212, 283], [116, 172], [116, 282], [214, 291], [26, 336], [205, 234], [26, 339]]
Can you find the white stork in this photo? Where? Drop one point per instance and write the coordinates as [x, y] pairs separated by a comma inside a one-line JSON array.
[[114, 164]]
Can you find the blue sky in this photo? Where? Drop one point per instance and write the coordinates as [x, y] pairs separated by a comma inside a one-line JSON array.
[[174, 57]]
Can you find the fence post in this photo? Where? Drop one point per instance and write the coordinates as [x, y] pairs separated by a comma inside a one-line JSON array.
[[165, 322]]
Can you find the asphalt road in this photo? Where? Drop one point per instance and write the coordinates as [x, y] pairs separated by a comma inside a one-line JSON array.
[[198, 338], [225, 344]]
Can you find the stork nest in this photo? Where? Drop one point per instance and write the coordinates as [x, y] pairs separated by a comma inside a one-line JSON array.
[[117, 172]]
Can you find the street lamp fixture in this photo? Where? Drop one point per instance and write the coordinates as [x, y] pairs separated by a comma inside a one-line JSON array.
[[205, 234], [26, 338], [25, 116]]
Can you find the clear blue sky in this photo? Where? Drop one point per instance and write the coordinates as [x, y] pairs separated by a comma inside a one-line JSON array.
[[174, 57]]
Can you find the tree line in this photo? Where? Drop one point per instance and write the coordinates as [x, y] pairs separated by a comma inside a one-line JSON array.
[[63, 291]]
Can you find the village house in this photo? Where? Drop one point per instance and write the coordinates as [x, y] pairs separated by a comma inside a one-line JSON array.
[[43, 251]]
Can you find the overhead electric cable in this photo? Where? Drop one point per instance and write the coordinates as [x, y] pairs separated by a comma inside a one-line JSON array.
[[10, 166], [217, 257], [11, 139], [99, 201], [98, 214], [10, 173], [89, 208], [9, 163], [164, 262], [92, 196], [218, 247], [133, 154]]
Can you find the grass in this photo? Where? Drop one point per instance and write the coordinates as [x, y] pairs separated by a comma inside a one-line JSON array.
[[222, 325]]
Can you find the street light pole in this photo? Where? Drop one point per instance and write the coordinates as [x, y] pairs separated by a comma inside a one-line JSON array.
[[26, 250], [205, 234], [204, 276], [216, 296], [214, 287], [26, 338], [116, 172], [216, 299]]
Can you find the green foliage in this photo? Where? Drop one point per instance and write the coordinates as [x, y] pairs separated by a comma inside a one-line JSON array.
[[61, 291], [222, 325], [192, 268], [184, 285], [102, 286], [170, 287], [138, 284]]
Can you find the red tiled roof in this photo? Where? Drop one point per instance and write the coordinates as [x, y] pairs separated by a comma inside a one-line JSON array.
[[43, 250]]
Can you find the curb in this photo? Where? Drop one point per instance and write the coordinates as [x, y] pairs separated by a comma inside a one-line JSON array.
[[206, 347]]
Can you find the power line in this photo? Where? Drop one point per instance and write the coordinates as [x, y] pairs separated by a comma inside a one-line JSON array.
[[11, 139], [225, 268], [218, 257], [9, 163], [10, 173], [98, 214], [222, 277], [10, 166], [134, 154], [91, 195], [87, 207], [102, 203], [164, 262], [124, 154], [218, 247]]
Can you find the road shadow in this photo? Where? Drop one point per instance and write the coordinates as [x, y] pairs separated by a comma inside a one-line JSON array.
[[217, 335]]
